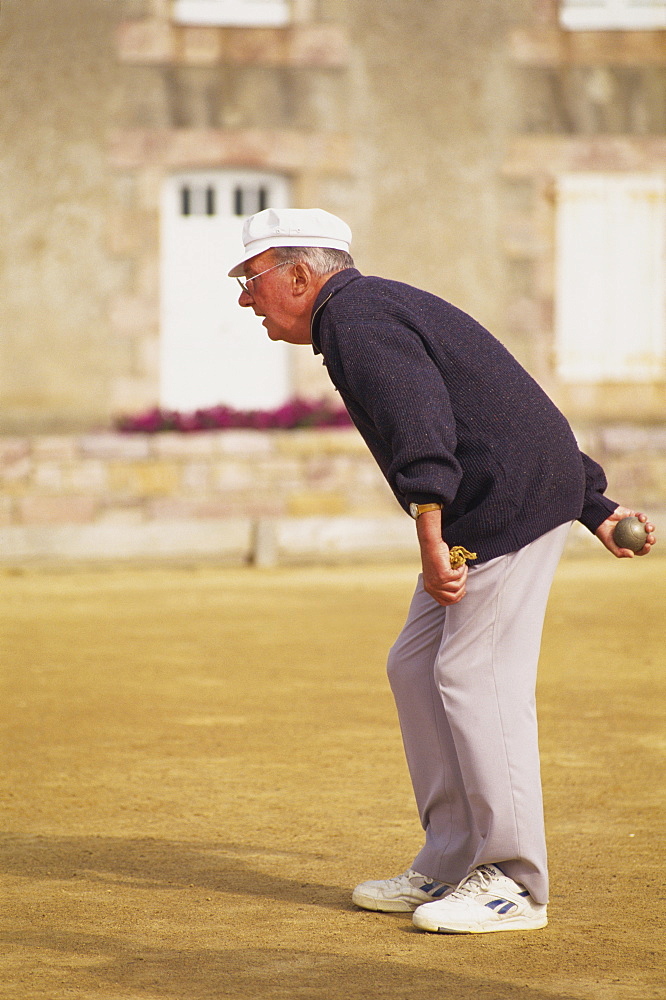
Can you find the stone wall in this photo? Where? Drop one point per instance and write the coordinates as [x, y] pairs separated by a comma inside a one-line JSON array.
[[213, 494], [241, 496], [133, 478]]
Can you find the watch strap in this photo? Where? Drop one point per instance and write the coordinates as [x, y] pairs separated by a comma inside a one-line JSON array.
[[421, 508]]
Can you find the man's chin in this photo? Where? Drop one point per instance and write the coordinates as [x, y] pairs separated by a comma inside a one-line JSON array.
[[274, 332]]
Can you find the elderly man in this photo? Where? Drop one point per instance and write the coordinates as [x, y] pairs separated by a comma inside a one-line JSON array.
[[477, 453]]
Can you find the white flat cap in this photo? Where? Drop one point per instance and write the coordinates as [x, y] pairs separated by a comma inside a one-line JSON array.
[[292, 227]]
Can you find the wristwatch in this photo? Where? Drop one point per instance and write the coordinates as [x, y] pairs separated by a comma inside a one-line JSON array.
[[416, 509]]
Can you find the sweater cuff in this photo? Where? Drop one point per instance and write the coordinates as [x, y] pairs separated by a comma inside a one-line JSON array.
[[596, 509]]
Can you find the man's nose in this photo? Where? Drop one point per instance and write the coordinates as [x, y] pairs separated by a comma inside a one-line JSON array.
[[245, 299]]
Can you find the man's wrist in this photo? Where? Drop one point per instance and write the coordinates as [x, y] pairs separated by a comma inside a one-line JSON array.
[[417, 509], [429, 532]]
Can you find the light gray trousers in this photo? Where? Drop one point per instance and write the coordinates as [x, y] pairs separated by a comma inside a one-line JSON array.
[[464, 679]]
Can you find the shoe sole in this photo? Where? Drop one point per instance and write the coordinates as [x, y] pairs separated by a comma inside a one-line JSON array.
[[424, 924], [383, 905]]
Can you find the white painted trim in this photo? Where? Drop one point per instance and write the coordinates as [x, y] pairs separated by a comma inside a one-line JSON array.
[[232, 13], [613, 15]]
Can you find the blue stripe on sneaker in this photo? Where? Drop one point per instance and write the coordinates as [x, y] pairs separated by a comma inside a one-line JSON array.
[[438, 892], [501, 905]]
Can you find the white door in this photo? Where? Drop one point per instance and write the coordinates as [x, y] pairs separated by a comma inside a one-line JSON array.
[[211, 350]]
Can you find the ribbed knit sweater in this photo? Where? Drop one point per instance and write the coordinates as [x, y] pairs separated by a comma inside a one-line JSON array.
[[451, 416]]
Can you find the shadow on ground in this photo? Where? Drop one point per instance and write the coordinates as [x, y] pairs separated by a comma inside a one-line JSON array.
[[258, 973], [102, 965], [150, 863]]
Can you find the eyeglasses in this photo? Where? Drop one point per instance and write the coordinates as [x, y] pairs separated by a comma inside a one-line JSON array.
[[244, 282]]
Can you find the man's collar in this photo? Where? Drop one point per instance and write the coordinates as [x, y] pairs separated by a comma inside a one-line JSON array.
[[333, 285]]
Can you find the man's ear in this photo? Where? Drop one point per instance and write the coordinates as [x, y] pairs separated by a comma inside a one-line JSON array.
[[301, 279]]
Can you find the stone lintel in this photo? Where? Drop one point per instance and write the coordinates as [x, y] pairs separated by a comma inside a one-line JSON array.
[[279, 149], [150, 40], [157, 41], [549, 46], [548, 155]]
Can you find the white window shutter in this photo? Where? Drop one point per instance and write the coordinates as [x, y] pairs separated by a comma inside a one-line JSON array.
[[622, 15], [610, 315]]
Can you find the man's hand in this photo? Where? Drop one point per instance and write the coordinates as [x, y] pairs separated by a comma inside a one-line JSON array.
[[605, 533], [445, 585]]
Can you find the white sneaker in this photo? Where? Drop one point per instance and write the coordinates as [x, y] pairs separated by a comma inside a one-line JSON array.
[[485, 901], [400, 894]]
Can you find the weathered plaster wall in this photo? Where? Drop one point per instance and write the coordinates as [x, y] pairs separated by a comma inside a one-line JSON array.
[[58, 81], [395, 120], [434, 107]]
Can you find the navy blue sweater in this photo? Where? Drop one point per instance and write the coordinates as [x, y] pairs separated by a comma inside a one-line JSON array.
[[451, 416]]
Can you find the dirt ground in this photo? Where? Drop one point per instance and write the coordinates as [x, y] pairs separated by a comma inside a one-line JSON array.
[[201, 763]]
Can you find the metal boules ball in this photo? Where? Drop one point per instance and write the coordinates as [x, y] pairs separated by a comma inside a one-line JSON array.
[[630, 533]]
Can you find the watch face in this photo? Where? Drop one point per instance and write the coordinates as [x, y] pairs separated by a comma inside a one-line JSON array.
[[414, 509]]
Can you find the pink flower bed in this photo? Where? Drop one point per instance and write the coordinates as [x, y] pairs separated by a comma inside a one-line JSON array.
[[297, 413]]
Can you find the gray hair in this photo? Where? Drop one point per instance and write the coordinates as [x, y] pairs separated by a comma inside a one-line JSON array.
[[320, 260]]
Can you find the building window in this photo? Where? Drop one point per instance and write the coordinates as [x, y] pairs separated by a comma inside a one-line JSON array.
[[197, 199], [249, 199], [610, 301], [240, 13], [603, 15]]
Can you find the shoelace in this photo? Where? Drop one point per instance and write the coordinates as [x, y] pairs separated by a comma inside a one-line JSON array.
[[475, 883], [399, 878]]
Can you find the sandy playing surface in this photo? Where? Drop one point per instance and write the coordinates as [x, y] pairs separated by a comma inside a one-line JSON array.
[[202, 763]]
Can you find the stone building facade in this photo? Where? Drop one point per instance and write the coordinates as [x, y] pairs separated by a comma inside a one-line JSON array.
[[590, 105], [459, 140], [439, 130]]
